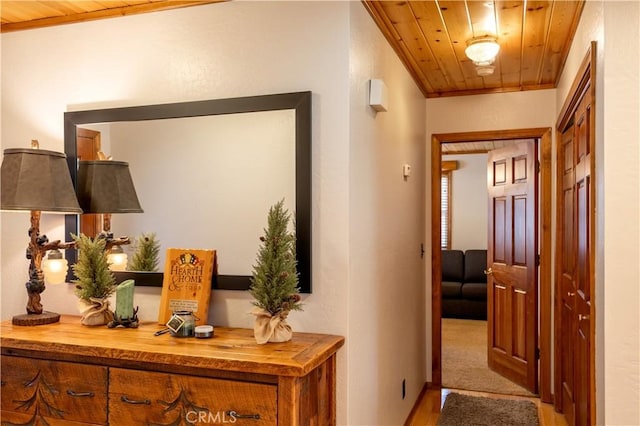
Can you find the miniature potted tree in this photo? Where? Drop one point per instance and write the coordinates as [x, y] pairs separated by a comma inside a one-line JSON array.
[[274, 283], [146, 255], [94, 281]]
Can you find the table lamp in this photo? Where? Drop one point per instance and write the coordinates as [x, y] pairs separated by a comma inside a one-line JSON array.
[[37, 180], [106, 187]]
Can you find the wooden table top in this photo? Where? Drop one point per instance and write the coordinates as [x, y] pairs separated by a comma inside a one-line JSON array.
[[231, 349]]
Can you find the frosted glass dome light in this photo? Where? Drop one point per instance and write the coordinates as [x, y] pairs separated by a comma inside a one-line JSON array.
[[117, 259], [55, 267], [482, 50]]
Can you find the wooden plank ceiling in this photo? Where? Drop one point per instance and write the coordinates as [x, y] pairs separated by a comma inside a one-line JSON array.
[[476, 147], [28, 14], [429, 36]]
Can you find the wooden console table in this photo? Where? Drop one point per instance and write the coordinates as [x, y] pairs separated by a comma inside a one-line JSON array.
[[67, 373]]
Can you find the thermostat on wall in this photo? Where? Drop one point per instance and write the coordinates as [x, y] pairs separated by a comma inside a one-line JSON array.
[[378, 95]]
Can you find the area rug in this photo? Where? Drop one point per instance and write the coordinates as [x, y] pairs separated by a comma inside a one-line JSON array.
[[464, 359], [467, 410]]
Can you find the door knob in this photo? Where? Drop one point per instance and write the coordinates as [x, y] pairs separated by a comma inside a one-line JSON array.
[[582, 317], [571, 293], [488, 271]]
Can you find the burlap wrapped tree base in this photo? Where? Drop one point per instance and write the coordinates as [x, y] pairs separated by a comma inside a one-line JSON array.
[[96, 312], [271, 328]]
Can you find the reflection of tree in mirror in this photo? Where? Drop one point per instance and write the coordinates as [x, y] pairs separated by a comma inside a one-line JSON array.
[[146, 256]]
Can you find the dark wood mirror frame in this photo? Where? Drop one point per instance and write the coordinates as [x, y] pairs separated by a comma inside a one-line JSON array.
[[298, 101]]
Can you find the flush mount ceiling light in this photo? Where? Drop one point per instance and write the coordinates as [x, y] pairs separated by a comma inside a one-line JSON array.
[[482, 50]]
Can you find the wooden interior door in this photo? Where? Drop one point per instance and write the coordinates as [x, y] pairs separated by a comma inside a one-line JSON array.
[[575, 213], [88, 143], [566, 273], [574, 261], [582, 355], [512, 289]]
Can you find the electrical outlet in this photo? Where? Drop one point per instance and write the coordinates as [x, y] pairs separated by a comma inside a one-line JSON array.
[[404, 388]]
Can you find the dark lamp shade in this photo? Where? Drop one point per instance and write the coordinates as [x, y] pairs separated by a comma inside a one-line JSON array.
[[37, 179], [105, 186]]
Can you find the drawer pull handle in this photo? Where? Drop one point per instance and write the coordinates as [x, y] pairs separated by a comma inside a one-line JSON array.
[[124, 398], [237, 415], [73, 393]]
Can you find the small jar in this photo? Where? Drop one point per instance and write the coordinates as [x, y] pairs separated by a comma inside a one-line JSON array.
[[182, 324]]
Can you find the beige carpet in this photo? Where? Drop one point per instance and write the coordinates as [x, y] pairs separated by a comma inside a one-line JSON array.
[[464, 359]]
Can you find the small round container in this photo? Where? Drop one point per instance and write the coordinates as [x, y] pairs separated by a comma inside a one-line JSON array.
[[204, 331], [182, 324]]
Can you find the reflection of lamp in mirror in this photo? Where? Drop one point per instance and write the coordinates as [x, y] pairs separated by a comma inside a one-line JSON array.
[[38, 181], [117, 259], [105, 187], [55, 267]]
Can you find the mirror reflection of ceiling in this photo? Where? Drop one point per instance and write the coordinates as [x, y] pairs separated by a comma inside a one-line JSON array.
[[206, 182], [429, 37], [476, 147]]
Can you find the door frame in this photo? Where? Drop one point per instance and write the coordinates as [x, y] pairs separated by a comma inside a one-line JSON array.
[[92, 221], [545, 305]]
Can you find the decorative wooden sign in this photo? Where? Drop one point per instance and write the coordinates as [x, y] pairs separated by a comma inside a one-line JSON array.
[[186, 284]]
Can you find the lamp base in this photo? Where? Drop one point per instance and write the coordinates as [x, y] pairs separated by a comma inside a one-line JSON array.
[[36, 319]]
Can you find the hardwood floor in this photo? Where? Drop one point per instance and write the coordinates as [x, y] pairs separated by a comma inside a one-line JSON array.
[[427, 410]]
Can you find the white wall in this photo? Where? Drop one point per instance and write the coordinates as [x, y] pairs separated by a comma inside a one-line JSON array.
[[469, 202], [367, 222], [386, 216], [502, 111], [615, 26]]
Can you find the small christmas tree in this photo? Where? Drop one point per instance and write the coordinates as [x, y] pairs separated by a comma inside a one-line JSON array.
[[146, 256], [94, 279], [274, 284]]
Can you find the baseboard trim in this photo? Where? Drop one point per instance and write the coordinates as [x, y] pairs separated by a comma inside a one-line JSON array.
[[416, 404]]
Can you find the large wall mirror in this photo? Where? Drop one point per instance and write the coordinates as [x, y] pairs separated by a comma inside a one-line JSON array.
[[206, 173]]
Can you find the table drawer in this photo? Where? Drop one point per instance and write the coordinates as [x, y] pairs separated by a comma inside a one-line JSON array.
[[142, 397], [53, 390]]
